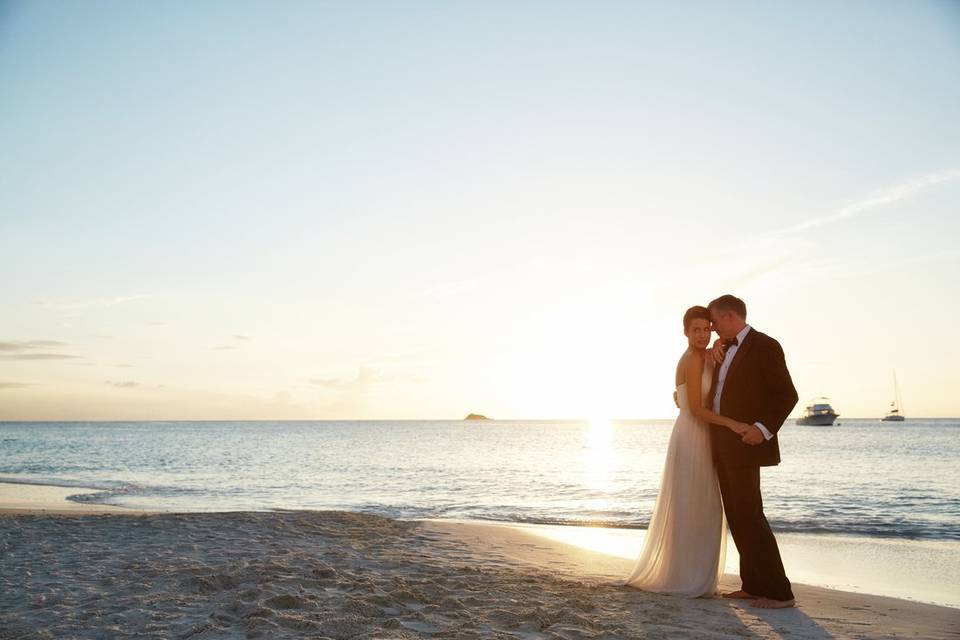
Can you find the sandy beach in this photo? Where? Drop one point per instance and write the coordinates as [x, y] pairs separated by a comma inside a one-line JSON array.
[[85, 572]]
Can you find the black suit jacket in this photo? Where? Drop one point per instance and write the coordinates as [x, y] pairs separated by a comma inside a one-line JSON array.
[[758, 388]]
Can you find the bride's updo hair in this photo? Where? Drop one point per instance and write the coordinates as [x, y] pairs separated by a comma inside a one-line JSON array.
[[692, 314]]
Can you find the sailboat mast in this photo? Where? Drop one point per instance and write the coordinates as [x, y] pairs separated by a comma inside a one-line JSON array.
[[896, 391]]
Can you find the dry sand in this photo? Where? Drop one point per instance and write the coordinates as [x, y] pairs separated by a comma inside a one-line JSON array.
[[348, 575]]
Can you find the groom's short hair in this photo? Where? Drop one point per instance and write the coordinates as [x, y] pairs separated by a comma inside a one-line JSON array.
[[729, 303]]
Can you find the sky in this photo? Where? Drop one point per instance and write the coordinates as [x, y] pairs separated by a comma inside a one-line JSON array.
[[384, 210]]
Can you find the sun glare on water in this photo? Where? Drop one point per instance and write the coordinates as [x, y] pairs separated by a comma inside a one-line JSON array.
[[600, 434], [599, 462]]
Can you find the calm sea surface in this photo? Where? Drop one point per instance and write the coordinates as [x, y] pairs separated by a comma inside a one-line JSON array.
[[863, 478]]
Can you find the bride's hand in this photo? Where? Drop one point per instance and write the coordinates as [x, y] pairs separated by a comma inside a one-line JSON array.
[[742, 428]]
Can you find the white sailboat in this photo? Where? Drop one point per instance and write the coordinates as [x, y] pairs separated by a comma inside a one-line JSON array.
[[894, 414]]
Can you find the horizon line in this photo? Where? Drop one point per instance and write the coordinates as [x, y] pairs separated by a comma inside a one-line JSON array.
[[7, 421]]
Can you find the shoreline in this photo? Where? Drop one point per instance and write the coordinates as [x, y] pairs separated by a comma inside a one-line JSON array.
[[45, 499], [532, 567], [910, 570]]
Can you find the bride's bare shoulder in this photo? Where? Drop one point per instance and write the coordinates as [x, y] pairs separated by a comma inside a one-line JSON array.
[[693, 361]]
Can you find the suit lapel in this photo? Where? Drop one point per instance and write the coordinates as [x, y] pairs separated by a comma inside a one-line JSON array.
[[739, 357]]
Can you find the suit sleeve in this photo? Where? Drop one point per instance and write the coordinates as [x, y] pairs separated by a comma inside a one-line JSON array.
[[781, 396]]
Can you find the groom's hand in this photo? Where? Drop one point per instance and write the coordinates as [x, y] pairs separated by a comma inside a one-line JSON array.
[[718, 351], [753, 436]]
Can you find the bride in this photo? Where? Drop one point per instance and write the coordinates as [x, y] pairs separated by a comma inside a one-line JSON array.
[[684, 551]]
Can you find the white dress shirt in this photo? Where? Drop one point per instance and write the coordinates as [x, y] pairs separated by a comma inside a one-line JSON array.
[[727, 360]]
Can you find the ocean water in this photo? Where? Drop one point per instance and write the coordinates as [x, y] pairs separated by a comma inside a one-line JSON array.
[[863, 478]]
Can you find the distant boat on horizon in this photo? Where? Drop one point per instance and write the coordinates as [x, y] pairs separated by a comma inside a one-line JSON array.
[[894, 414], [818, 414]]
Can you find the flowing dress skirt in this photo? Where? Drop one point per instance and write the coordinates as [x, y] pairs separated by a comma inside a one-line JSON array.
[[685, 549]]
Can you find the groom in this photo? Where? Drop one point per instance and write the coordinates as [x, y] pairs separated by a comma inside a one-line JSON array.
[[751, 384]]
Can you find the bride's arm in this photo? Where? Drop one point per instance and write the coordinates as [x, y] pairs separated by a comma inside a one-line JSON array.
[[694, 372]]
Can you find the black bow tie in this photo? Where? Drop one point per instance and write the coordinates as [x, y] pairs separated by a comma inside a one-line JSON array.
[[732, 342]]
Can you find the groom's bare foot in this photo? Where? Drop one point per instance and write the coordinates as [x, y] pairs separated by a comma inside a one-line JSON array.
[[767, 603], [740, 595]]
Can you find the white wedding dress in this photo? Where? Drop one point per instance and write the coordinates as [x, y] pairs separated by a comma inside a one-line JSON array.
[[685, 548]]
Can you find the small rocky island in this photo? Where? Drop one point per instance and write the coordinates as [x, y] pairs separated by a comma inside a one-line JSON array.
[[476, 416]]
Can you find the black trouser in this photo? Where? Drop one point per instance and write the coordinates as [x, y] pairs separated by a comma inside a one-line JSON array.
[[761, 569]]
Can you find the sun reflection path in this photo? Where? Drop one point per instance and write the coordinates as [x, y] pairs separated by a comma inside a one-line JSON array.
[[612, 541], [622, 543]]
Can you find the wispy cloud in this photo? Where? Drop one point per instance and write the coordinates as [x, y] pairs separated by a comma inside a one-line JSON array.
[[26, 345], [38, 356], [15, 385], [229, 347], [124, 384], [875, 200], [32, 350], [363, 378], [773, 254]]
